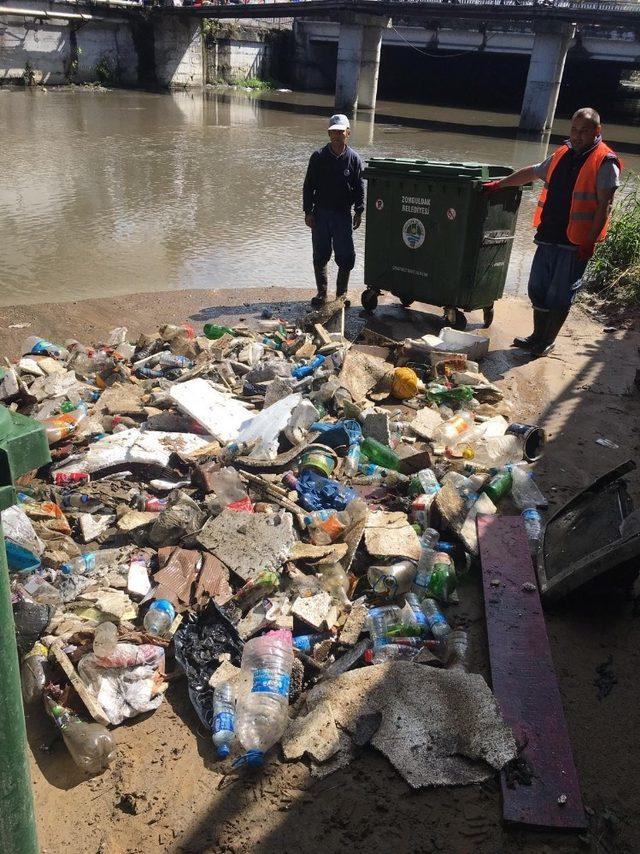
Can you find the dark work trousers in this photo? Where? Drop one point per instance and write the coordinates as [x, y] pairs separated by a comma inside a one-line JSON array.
[[556, 277], [333, 231]]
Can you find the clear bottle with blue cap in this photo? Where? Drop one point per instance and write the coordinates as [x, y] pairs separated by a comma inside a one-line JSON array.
[[224, 718], [159, 617], [262, 710]]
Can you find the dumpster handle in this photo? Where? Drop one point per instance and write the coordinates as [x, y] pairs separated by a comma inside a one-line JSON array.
[[497, 241]]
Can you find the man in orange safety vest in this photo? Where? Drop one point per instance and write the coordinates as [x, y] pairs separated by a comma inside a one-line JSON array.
[[572, 215]]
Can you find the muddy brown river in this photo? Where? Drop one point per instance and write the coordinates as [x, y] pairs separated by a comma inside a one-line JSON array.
[[111, 192]]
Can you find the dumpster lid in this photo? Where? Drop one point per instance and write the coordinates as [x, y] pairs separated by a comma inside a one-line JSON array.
[[439, 169], [586, 537]]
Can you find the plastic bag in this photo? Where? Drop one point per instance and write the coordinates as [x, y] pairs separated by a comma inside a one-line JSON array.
[[123, 692], [197, 642], [17, 527]]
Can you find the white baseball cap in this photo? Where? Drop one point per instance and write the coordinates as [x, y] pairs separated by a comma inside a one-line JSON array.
[[339, 122]]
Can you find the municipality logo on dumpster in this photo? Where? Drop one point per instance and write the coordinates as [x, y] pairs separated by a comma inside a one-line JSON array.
[[413, 233]]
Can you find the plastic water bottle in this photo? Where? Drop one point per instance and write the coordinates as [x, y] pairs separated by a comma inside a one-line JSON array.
[[414, 613], [452, 429], [158, 619], [524, 490], [105, 640], [90, 561], [438, 625], [261, 713], [380, 622], [429, 540], [352, 460], [370, 473], [224, 718], [533, 524], [428, 481]]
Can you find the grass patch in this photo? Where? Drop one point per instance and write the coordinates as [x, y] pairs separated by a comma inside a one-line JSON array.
[[255, 83], [613, 274]]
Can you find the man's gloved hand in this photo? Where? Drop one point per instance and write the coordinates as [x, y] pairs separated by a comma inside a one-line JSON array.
[[585, 251], [490, 187], [357, 220]]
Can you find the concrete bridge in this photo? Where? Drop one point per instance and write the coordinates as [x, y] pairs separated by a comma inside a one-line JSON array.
[[609, 30]]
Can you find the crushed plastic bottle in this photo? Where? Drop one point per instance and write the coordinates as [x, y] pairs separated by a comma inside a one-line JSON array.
[[428, 543], [261, 712], [524, 490], [413, 613], [442, 580], [32, 673], [455, 657], [224, 718], [438, 625], [450, 432], [91, 745], [352, 460], [533, 525]]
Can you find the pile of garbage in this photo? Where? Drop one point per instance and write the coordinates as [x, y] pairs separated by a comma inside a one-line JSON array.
[[283, 513]]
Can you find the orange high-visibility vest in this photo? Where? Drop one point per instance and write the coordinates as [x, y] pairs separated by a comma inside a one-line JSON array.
[[584, 200]]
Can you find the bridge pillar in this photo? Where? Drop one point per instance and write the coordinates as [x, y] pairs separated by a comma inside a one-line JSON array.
[[546, 67], [178, 52], [370, 62], [348, 69]]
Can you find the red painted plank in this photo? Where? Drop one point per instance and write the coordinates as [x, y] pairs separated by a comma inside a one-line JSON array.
[[524, 680]]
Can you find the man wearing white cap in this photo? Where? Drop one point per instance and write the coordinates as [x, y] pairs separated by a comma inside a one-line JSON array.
[[333, 186]]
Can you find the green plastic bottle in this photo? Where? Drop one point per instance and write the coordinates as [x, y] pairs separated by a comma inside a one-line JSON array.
[[499, 485], [213, 331], [442, 581], [441, 394], [380, 454]]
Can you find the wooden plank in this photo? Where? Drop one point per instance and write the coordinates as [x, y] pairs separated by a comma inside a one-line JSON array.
[[91, 704], [524, 682]]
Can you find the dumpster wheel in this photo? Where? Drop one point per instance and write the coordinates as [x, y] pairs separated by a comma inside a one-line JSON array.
[[455, 318], [488, 316], [369, 299], [407, 301]]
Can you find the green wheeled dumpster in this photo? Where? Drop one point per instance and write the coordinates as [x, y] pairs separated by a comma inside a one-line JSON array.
[[434, 236], [23, 447]]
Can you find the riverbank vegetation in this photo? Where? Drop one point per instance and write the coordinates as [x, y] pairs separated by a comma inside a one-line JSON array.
[[612, 279]]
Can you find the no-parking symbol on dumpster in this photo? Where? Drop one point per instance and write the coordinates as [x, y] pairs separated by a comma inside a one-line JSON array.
[[413, 233], [451, 213], [379, 204]]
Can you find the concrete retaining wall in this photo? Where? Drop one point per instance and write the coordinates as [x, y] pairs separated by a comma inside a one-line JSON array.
[[235, 60], [50, 51]]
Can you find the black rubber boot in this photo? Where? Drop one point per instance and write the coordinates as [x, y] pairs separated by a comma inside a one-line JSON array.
[[540, 316], [321, 284], [342, 283], [555, 321]]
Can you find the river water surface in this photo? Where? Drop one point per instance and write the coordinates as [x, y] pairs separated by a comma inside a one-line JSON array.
[[114, 192]]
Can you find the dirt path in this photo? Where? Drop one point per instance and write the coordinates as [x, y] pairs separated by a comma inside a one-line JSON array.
[[166, 792]]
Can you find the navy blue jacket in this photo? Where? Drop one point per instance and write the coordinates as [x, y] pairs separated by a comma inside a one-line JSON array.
[[333, 183]]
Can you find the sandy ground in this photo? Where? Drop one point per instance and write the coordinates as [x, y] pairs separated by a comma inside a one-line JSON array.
[[167, 793]]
